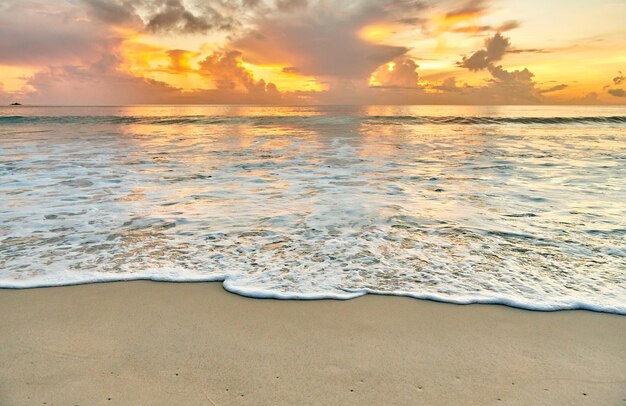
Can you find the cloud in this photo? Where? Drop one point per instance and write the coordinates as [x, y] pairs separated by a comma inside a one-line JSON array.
[[495, 47], [513, 86], [477, 29], [508, 26], [96, 84], [527, 51], [120, 13], [291, 5], [79, 54], [36, 33], [505, 86], [555, 88], [505, 76], [617, 92], [401, 73], [227, 72], [172, 16], [402, 8], [477, 61], [180, 60], [450, 85], [292, 70], [589, 98], [469, 10], [103, 84], [322, 42], [617, 80], [85, 49], [413, 21], [472, 29]]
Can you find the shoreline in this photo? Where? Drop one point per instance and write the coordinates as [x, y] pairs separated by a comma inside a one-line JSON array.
[[145, 342], [224, 282]]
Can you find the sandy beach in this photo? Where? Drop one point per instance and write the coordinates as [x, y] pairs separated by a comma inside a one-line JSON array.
[[194, 343]]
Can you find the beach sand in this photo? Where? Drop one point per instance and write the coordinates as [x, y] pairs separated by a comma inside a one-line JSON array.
[[148, 343]]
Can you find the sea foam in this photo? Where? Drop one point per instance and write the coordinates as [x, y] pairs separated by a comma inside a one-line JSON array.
[[519, 206]]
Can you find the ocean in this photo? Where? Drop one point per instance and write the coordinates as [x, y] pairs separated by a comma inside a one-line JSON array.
[[517, 205]]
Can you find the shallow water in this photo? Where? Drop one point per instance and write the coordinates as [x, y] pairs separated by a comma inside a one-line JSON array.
[[524, 206]]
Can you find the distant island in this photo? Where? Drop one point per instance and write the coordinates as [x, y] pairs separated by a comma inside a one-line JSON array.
[[16, 104]]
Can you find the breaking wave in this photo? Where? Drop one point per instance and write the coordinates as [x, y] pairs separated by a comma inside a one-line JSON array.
[[307, 120]]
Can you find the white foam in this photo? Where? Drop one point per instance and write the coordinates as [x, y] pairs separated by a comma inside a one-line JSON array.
[[336, 209]]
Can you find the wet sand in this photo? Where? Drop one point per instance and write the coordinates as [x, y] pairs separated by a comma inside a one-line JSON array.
[[151, 343]]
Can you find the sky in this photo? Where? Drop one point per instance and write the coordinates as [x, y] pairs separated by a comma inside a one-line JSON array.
[[104, 52]]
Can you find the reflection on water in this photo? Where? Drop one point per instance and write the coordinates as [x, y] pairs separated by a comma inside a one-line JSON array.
[[321, 201]]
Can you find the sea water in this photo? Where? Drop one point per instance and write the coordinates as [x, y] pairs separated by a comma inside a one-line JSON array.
[[524, 206]]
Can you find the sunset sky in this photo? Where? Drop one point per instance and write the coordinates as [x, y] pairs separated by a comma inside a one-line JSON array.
[[313, 51]]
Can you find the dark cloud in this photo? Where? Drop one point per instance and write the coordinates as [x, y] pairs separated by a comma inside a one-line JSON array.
[[173, 16], [477, 61], [403, 7], [617, 80], [412, 21], [495, 48], [554, 88], [478, 29], [407, 12], [321, 42], [527, 51], [113, 12], [291, 5], [250, 3], [617, 92]]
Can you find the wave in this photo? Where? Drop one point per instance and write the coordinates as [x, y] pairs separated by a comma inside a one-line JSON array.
[[231, 284], [308, 120], [479, 120]]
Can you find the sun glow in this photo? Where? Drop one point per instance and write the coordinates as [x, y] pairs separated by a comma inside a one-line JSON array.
[[15, 78], [377, 32]]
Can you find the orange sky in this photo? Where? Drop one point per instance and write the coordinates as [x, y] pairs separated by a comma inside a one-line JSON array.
[[312, 51]]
